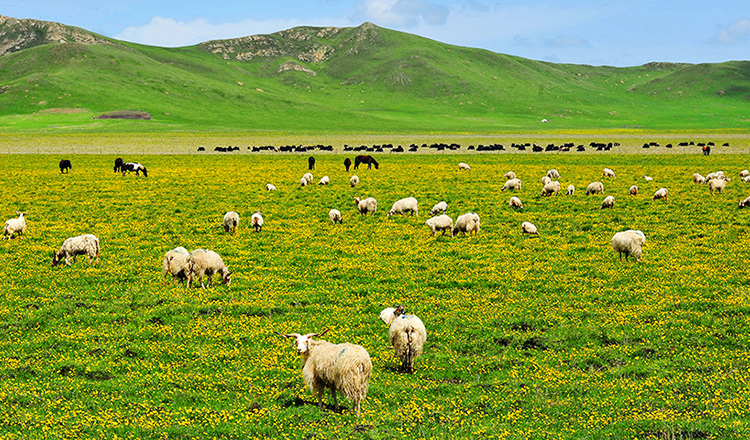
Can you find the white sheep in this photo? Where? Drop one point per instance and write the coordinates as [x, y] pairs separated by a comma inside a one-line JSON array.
[[551, 188], [202, 262], [571, 190], [510, 175], [438, 208], [608, 173], [354, 181], [633, 190], [270, 187], [529, 228], [308, 177], [338, 367], [86, 244], [175, 263], [467, 224], [515, 203], [629, 242], [608, 202], [512, 184], [231, 221], [440, 223], [744, 173], [553, 174], [303, 182], [595, 188], [403, 206], [744, 203], [256, 221], [406, 334], [464, 166], [324, 180], [546, 180], [746, 179], [647, 178], [697, 178], [661, 193], [366, 206], [15, 226], [335, 216], [716, 185]]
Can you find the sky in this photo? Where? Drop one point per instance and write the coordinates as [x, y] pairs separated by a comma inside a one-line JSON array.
[[615, 33]]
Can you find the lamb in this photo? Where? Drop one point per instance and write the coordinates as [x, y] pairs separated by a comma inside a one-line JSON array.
[[202, 262], [510, 175], [608, 202], [595, 188], [515, 203], [338, 367], [270, 187], [257, 221], [403, 206], [660, 194], [466, 224], [366, 206], [406, 334], [744, 203], [647, 178], [571, 190], [354, 181], [230, 222], [633, 190], [308, 177], [324, 180], [697, 178], [629, 242], [512, 184], [464, 166], [303, 182], [335, 216], [440, 223], [15, 226], [608, 173], [546, 180], [553, 174], [529, 228], [86, 244], [175, 263], [551, 188], [716, 185], [438, 208]]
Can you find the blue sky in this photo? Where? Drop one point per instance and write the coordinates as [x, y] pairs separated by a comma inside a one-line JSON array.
[[618, 33]]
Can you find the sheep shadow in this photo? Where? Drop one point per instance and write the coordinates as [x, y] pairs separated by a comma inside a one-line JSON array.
[[299, 403]]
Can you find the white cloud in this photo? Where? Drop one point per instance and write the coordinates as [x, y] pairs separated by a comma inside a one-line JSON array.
[[737, 31], [401, 12]]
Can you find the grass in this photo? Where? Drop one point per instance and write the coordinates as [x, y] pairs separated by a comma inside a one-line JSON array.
[[544, 337]]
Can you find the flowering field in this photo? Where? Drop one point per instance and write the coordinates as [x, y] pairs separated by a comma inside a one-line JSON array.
[[528, 337]]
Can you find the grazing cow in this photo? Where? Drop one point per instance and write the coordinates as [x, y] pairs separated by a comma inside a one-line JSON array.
[[65, 166], [347, 163], [369, 160], [133, 166], [118, 165], [310, 163]]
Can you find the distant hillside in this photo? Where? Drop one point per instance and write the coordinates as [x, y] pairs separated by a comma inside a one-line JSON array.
[[363, 79]]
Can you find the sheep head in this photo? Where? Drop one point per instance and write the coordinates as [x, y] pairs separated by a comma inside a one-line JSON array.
[[56, 258], [302, 342]]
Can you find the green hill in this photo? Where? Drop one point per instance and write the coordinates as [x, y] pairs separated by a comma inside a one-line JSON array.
[[363, 79]]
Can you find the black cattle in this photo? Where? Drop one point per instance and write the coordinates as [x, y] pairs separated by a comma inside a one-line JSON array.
[[310, 163], [65, 166], [347, 163], [369, 160], [201, 149], [134, 166], [118, 165]]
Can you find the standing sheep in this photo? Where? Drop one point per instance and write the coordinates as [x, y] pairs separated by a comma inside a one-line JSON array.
[[744, 173], [595, 188], [440, 223], [335, 216], [551, 188], [546, 180], [553, 174], [633, 190], [406, 334], [270, 187], [354, 181], [660, 194], [202, 262], [308, 177], [510, 175], [324, 180], [608, 173], [303, 182], [338, 367], [403, 206], [529, 228], [697, 178], [230, 222], [744, 203], [467, 224], [15, 226], [257, 221], [629, 242], [438, 208], [366, 206], [86, 244], [571, 190], [515, 203], [608, 202], [175, 263], [464, 166], [716, 185], [512, 184]]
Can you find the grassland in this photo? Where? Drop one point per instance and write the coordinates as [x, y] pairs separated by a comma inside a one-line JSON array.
[[547, 337]]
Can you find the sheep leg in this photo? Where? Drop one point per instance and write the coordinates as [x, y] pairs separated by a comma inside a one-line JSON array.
[[335, 402], [201, 280]]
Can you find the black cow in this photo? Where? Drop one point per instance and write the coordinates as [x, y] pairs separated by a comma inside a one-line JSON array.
[[347, 163], [65, 166], [118, 164], [369, 160], [311, 163]]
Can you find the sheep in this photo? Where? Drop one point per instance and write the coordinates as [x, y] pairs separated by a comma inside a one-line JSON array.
[[467, 224], [335, 216], [716, 185], [512, 184], [718, 175], [406, 334], [744, 203], [308, 177], [338, 367], [553, 174], [697, 178], [440, 223], [354, 181], [746, 179], [86, 244], [633, 190], [324, 180], [515, 203], [366, 206], [202, 262], [230, 221], [608, 202], [595, 188], [257, 221], [744, 173], [270, 187], [629, 242], [303, 182], [529, 228], [464, 166], [175, 263], [15, 226], [551, 188], [438, 208], [571, 190], [608, 173], [647, 178], [546, 180], [510, 175], [403, 206], [660, 194]]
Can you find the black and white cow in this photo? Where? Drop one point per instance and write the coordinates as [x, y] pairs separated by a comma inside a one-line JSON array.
[[134, 166]]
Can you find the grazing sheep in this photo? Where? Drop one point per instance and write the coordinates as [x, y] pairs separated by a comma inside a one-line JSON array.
[[551, 188], [464, 166], [546, 180], [403, 206], [510, 175], [467, 224], [257, 221], [744, 203], [746, 179], [335, 216], [515, 203], [438, 208], [553, 174], [440, 223], [338, 367], [697, 178], [202, 262], [633, 190], [270, 187], [231, 221], [308, 177], [354, 181], [324, 180], [512, 184], [717, 175], [529, 228], [175, 263], [647, 178], [303, 182], [660, 194], [608, 173], [608, 203], [716, 185], [629, 242], [366, 206], [595, 188], [571, 190], [744, 173], [74, 246], [15, 226], [406, 334], [65, 166]]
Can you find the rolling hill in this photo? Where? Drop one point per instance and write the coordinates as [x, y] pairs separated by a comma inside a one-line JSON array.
[[339, 80]]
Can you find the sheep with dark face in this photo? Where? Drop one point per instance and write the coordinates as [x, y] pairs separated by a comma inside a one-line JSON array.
[[257, 221]]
